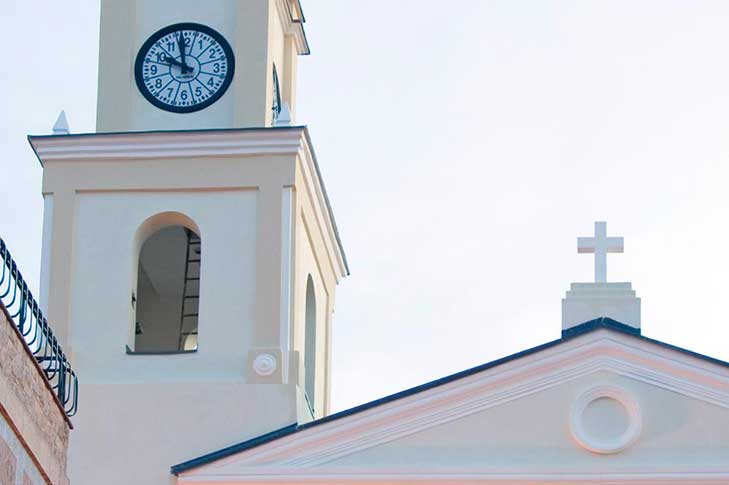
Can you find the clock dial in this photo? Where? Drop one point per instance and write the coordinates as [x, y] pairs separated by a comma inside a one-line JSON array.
[[184, 67]]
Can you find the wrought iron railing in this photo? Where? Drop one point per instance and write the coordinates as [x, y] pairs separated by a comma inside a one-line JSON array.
[[33, 326]]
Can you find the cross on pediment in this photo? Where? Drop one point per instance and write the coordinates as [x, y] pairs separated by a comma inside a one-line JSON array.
[[600, 245]]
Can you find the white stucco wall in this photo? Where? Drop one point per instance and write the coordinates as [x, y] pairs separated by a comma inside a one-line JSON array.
[[137, 431], [102, 315], [168, 407]]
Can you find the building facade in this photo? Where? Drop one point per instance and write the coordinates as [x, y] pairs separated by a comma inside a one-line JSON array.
[[189, 269]]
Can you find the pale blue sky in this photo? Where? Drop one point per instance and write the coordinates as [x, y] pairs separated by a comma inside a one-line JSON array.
[[464, 145]]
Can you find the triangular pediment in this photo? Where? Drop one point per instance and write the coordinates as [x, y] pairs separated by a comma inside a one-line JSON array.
[[601, 403]]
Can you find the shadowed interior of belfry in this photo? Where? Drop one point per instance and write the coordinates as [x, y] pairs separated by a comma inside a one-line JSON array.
[[168, 292]]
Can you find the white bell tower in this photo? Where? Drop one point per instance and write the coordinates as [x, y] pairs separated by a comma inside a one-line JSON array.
[[190, 258]]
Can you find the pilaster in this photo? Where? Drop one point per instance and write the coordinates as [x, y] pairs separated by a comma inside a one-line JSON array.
[[60, 270]]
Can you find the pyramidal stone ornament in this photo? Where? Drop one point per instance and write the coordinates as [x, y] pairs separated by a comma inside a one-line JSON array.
[[284, 117], [61, 126], [588, 301]]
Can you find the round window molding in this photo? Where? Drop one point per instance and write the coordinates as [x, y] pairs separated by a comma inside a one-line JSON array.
[[589, 438], [265, 364]]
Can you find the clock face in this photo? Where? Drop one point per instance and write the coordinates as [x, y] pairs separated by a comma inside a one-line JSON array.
[[184, 67]]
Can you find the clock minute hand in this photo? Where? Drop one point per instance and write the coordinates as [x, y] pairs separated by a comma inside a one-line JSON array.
[[181, 46]]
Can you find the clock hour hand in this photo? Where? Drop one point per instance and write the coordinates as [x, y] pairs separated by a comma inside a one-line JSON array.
[[174, 61]]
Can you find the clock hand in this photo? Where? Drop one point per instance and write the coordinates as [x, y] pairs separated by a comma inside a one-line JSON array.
[[174, 61], [181, 45]]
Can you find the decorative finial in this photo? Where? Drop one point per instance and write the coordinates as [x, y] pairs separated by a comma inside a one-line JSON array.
[[600, 245], [284, 117], [61, 126]]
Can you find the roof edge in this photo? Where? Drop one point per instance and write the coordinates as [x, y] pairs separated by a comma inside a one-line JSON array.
[[602, 322], [330, 211], [233, 449]]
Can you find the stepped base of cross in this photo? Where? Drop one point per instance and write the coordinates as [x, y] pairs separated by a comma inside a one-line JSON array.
[[588, 301]]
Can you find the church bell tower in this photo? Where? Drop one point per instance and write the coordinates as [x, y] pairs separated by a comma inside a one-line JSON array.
[[190, 253]]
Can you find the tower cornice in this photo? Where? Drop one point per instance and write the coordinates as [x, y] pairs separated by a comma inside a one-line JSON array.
[[169, 144], [187, 144], [292, 18]]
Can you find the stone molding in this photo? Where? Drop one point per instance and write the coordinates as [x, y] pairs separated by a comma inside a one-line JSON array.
[[391, 476], [168, 144]]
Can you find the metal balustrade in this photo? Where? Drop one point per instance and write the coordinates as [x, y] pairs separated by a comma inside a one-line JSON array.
[[27, 316]]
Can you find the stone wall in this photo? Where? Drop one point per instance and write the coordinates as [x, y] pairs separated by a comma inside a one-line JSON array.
[[33, 428]]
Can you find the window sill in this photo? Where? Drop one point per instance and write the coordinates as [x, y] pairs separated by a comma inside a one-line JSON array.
[[162, 352]]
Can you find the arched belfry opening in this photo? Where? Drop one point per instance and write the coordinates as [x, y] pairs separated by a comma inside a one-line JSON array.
[[310, 343], [167, 296]]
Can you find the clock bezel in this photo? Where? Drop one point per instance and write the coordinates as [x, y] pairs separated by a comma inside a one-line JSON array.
[[139, 66]]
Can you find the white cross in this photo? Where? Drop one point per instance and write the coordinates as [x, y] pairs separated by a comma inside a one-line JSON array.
[[600, 245]]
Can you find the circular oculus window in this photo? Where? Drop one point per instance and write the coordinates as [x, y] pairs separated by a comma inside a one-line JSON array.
[[605, 419]]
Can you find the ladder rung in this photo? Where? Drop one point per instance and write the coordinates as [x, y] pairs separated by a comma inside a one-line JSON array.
[[188, 315], [191, 296], [193, 279], [193, 260]]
